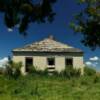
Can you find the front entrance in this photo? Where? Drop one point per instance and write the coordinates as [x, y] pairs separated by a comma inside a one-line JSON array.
[[28, 63], [51, 64]]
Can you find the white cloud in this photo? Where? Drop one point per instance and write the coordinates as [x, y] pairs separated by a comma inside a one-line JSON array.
[[3, 62], [10, 29], [95, 58], [93, 62], [88, 63]]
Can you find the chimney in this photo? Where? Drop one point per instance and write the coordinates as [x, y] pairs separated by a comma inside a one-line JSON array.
[[51, 37]]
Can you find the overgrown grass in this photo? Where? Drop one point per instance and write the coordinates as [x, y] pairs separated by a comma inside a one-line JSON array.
[[41, 87], [38, 85]]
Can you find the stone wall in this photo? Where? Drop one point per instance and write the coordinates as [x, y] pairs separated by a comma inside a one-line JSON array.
[[40, 60]]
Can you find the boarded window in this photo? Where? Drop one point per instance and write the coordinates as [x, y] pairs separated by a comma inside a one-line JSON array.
[[28, 63], [51, 61], [69, 62]]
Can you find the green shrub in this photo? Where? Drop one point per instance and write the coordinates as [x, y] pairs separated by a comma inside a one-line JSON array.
[[16, 73], [13, 69], [16, 91], [45, 72], [96, 79], [2, 70], [89, 71], [56, 73], [42, 72], [84, 82], [8, 72], [32, 70], [70, 72]]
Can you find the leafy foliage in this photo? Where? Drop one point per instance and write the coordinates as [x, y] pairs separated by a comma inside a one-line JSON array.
[[35, 71], [68, 73], [87, 22], [89, 71], [96, 79], [13, 69], [23, 12], [32, 69]]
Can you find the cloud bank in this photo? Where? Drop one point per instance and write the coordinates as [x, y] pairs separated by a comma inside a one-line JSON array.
[[3, 62], [88, 63], [10, 29], [93, 61], [94, 58]]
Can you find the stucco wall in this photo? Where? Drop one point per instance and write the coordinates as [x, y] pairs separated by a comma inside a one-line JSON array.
[[20, 59], [59, 63], [78, 63], [40, 60]]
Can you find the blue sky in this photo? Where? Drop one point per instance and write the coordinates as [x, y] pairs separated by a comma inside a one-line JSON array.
[[65, 10]]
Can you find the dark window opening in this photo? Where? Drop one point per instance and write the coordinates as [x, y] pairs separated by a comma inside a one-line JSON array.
[[69, 62], [51, 61], [29, 63]]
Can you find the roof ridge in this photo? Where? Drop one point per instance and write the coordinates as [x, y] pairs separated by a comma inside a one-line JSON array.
[[34, 43]]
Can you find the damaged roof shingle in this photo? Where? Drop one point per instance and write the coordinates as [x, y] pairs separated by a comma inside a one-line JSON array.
[[48, 45]]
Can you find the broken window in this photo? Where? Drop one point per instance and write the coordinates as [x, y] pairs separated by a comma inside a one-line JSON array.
[[69, 62], [51, 61]]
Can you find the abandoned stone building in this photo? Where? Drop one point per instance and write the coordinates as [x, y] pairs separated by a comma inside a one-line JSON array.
[[48, 54]]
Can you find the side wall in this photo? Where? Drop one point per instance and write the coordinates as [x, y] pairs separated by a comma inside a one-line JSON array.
[[78, 63], [59, 63], [40, 61], [20, 59]]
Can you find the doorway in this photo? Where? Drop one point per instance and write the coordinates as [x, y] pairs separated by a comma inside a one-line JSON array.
[[51, 64], [28, 63]]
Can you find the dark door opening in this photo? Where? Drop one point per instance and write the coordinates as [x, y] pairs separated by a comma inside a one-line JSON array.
[[28, 63], [69, 62], [51, 61]]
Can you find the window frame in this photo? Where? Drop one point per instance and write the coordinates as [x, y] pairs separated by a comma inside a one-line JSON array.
[[67, 62], [51, 58], [28, 65]]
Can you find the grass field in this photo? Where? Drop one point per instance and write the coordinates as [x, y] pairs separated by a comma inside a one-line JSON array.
[[39, 87]]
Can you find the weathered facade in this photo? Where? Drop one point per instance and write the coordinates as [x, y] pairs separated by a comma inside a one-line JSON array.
[[49, 54]]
